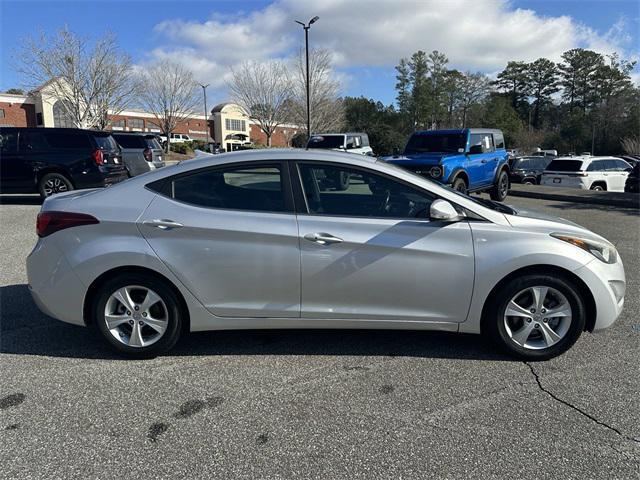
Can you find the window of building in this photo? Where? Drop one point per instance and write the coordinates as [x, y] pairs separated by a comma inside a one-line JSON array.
[[235, 124], [340, 191], [135, 123], [61, 115], [1, 112], [118, 124], [39, 118], [240, 188]]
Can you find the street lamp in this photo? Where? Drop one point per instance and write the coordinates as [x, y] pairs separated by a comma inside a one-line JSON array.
[[206, 121], [306, 44]]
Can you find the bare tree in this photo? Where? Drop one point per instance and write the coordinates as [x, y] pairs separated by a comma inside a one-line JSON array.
[[327, 110], [473, 88], [631, 145], [263, 91], [89, 81], [168, 91]]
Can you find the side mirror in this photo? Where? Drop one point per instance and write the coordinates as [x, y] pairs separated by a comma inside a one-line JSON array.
[[475, 149], [443, 211]]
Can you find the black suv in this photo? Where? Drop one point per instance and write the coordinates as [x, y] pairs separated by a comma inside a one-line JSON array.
[[528, 170], [53, 160]]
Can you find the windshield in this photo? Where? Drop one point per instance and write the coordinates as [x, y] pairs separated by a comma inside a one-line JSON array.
[[326, 141], [436, 143]]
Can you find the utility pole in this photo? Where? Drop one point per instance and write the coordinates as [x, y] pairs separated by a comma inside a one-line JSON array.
[[206, 117], [306, 43]]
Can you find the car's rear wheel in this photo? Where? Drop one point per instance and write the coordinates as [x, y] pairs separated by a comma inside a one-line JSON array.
[[459, 185], [536, 317], [53, 183], [501, 189], [598, 187], [138, 315]]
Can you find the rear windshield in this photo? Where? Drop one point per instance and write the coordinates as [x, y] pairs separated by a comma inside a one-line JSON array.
[[130, 141], [326, 141], [565, 166], [436, 143], [531, 163], [106, 142]]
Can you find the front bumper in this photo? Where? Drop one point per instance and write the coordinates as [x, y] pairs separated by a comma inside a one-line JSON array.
[[607, 284]]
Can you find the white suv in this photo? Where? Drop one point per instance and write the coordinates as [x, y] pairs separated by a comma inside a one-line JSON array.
[[352, 142], [587, 173]]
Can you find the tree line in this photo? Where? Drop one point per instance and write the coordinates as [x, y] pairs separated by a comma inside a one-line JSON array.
[[586, 102]]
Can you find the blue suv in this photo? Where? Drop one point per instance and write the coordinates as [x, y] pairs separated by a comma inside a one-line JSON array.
[[469, 160]]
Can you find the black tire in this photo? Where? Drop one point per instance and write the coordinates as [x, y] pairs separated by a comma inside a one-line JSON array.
[[53, 183], [163, 290], [599, 187], [529, 181], [493, 324], [459, 185], [501, 188]]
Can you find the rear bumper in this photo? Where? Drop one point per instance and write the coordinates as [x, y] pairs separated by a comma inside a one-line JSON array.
[[565, 182], [54, 287]]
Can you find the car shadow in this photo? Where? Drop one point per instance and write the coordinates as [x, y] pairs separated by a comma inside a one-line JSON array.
[[24, 330], [20, 200]]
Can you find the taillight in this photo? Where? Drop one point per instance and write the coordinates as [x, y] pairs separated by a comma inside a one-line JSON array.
[[148, 154], [98, 157], [51, 221]]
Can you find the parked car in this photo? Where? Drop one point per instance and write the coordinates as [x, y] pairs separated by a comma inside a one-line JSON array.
[[587, 173], [175, 138], [140, 151], [527, 170], [253, 239], [633, 180], [54, 160], [352, 142], [469, 160]]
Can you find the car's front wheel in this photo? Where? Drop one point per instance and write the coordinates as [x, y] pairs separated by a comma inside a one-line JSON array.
[[536, 317], [138, 315], [459, 185]]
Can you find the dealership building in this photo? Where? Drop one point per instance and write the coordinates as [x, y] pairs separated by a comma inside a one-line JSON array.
[[228, 124]]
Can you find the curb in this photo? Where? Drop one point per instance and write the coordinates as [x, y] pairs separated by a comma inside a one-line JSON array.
[[612, 198]]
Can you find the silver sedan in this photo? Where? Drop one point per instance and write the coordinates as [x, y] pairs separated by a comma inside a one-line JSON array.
[[313, 239]]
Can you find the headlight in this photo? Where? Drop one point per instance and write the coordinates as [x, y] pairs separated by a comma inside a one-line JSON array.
[[435, 172], [604, 252]]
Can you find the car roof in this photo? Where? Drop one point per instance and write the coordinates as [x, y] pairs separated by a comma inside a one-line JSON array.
[[338, 133], [458, 131], [588, 158]]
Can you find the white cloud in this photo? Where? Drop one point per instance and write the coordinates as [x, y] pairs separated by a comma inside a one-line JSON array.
[[474, 34]]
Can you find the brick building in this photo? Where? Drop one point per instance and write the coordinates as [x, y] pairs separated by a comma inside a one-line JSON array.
[[228, 123]]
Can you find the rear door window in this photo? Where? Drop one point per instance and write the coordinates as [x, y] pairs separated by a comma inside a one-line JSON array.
[[597, 166], [152, 143], [34, 141], [8, 141], [68, 140], [499, 140], [258, 188]]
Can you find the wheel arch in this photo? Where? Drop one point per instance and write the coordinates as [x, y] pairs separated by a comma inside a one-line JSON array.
[[102, 278], [459, 172], [583, 289]]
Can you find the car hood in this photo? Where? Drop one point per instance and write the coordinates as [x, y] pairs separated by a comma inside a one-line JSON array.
[[420, 158], [543, 223]]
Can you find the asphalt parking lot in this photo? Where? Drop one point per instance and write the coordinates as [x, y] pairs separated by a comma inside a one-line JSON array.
[[316, 404]]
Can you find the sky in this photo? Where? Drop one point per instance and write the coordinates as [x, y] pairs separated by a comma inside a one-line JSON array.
[[365, 37]]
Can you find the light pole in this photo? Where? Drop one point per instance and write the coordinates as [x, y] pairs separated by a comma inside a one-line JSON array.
[[206, 121], [306, 44]]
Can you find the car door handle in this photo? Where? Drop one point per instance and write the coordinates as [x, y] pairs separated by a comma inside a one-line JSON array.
[[162, 224], [483, 161], [322, 238]]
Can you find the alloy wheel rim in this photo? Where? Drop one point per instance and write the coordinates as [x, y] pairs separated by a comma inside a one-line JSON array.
[[136, 316], [54, 185], [537, 317]]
